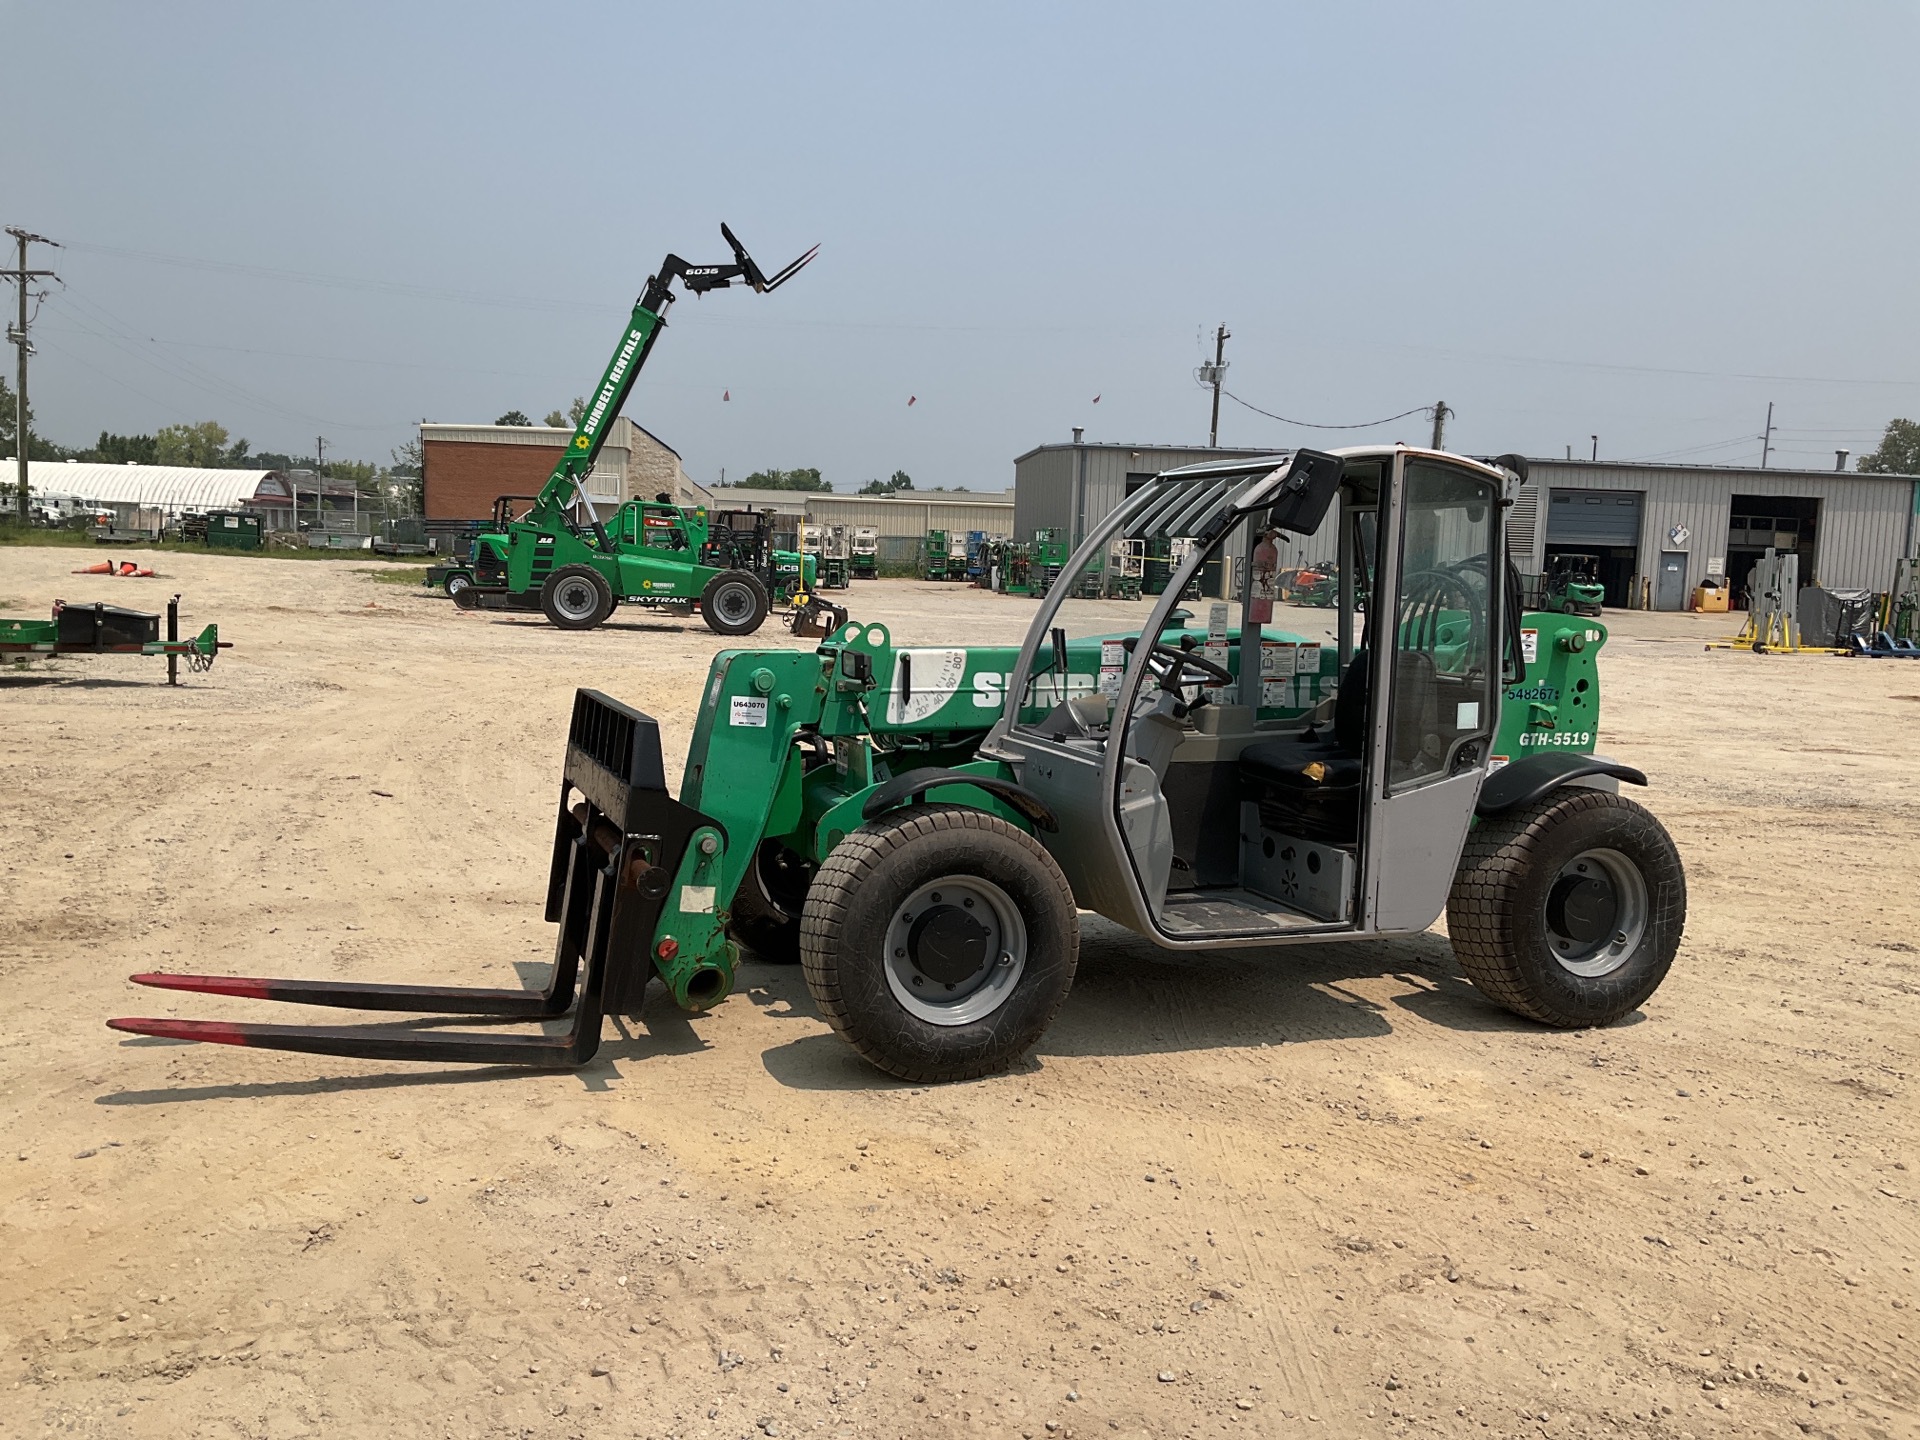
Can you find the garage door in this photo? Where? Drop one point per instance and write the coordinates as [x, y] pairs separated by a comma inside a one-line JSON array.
[[1594, 517]]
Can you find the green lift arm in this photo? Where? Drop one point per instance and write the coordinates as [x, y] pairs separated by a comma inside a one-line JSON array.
[[568, 480]]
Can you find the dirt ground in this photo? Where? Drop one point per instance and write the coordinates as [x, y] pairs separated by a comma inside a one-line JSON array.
[[1326, 1191]]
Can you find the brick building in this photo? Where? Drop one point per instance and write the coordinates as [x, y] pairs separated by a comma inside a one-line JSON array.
[[467, 466]]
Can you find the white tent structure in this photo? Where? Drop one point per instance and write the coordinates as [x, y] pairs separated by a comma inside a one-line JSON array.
[[146, 496]]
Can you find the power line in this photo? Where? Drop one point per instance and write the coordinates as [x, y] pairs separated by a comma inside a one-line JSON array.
[[19, 335], [1311, 425]]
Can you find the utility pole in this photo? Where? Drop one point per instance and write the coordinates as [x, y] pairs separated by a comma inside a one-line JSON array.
[[1440, 413], [1215, 375], [17, 333], [1596, 445], [319, 482], [1766, 437]]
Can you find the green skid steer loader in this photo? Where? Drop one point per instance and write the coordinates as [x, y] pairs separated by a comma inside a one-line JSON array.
[[920, 826]]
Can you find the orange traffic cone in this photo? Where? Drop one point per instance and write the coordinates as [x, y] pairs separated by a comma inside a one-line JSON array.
[[105, 567]]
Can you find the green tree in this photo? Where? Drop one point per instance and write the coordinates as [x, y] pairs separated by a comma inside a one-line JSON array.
[[900, 481], [112, 449], [1899, 452], [514, 417], [576, 409], [807, 480], [203, 446], [38, 446], [408, 476], [556, 419]]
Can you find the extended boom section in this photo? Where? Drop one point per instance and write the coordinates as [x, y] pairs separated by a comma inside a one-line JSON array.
[[621, 843]]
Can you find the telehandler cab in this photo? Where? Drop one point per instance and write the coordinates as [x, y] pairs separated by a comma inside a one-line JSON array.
[[563, 558], [921, 825]]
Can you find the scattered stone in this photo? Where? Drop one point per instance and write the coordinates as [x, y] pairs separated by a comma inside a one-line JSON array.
[[1802, 1376], [1641, 1170], [1393, 1382], [1746, 1180], [1453, 1276], [782, 1387], [1586, 1154], [598, 1370], [1708, 1385], [1166, 1377], [1073, 1394], [123, 1315], [1243, 1404], [419, 1199], [89, 1154], [533, 1369]]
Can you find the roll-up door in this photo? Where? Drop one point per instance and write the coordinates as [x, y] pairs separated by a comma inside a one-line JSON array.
[[1594, 517]]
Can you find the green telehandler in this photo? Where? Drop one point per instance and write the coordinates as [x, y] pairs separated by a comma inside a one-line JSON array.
[[921, 825], [562, 558]]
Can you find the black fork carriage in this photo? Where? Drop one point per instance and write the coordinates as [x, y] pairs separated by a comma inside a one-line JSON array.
[[618, 841]]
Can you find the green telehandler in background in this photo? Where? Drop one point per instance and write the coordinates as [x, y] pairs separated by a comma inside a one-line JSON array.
[[564, 559]]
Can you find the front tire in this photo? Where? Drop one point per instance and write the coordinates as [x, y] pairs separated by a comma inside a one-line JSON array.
[[939, 942], [576, 597], [734, 603], [1569, 910], [456, 582]]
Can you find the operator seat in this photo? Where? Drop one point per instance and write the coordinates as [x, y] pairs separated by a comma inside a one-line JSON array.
[[1308, 785]]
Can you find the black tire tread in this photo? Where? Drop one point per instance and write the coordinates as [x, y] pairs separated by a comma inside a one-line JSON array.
[[848, 867], [1500, 851]]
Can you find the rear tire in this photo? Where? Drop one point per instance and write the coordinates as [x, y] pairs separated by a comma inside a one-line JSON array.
[[1569, 910], [734, 603], [456, 582], [939, 942], [576, 597]]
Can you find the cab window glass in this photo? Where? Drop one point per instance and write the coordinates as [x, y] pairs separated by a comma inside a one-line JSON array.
[[1442, 677]]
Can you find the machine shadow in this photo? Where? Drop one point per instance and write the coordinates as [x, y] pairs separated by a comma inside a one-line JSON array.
[[1132, 998]]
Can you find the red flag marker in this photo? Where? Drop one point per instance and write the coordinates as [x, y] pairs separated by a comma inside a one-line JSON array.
[[726, 394], [1096, 399], [910, 400]]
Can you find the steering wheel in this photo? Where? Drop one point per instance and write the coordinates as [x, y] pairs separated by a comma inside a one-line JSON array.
[[1167, 662], [1424, 593]]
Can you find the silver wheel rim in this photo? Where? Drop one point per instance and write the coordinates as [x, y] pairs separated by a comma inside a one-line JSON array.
[[929, 973], [576, 599], [734, 603], [456, 583], [1599, 885]]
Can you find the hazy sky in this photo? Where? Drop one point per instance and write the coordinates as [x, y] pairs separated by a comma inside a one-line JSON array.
[[1640, 220]]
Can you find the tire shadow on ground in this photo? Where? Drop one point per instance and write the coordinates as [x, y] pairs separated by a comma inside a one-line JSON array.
[[1130, 997]]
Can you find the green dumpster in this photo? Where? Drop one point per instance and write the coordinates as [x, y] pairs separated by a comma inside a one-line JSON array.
[[233, 530]]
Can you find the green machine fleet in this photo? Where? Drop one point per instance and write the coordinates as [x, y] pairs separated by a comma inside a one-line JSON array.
[[563, 558], [920, 826]]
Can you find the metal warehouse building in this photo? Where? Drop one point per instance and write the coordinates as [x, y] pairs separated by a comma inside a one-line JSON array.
[[1657, 530]]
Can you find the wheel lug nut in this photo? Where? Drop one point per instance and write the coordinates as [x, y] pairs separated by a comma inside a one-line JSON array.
[[900, 953]]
